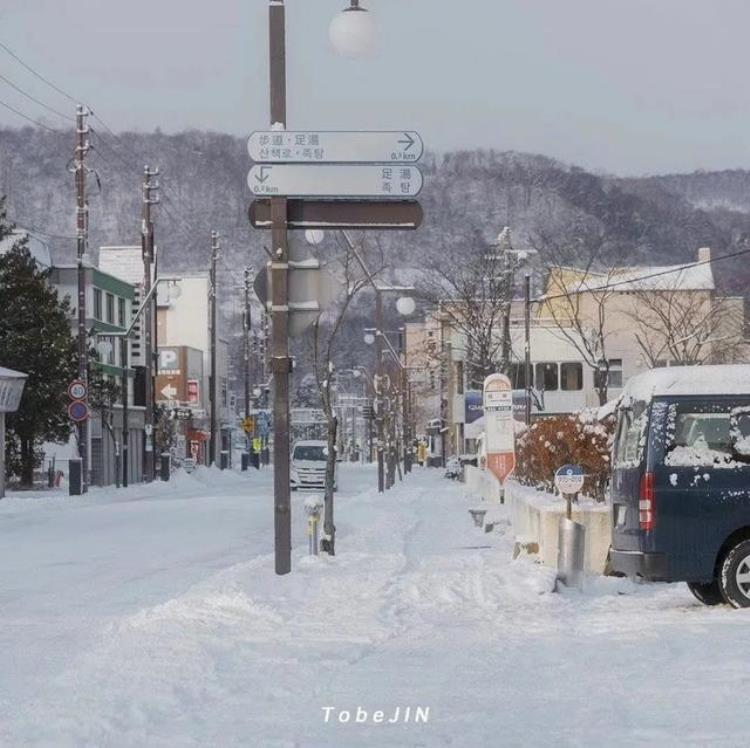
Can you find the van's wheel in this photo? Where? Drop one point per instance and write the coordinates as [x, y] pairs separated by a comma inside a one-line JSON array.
[[735, 576], [708, 593]]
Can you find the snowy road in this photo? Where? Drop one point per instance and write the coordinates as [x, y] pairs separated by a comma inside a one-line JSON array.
[[152, 617]]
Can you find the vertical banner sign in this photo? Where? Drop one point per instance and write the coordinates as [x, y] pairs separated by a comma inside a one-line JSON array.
[[498, 425]]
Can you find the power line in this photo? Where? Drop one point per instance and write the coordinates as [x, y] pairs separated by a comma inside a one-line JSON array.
[[185, 220], [35, 100], [628, 281], [26, 117], [38, 75]]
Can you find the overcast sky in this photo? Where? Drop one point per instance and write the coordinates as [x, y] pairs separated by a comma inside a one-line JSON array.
[[625, 86]]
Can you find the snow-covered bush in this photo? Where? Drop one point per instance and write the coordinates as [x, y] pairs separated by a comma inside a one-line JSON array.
[[561, 440]]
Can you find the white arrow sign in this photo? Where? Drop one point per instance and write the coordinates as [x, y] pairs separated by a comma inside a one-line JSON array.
[[169, 392], [382, 180], [284, 146]]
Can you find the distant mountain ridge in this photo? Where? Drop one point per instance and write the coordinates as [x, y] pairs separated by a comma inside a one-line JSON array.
[[657, 219]]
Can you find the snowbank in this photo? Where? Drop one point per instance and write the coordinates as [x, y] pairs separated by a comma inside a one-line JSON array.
[[535, 516]]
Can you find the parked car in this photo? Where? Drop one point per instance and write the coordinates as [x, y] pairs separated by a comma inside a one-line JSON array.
[[681, 481], [308, 465]]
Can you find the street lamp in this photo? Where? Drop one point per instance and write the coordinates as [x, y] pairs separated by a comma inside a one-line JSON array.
[[353, 31], [405, 305]]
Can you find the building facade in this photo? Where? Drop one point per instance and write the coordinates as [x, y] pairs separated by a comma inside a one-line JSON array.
[[109, 301]]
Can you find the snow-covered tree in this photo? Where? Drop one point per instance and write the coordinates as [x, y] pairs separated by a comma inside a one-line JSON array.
[[34, 338]]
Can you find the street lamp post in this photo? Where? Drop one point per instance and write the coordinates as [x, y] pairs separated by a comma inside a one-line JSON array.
[[279, 305], [352, 31]]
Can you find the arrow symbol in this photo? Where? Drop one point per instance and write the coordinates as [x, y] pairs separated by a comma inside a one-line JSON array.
[[169, 392], [408, 140], [265, 172]]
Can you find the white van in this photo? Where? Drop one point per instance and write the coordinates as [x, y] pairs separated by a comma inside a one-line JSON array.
[[308, 468]]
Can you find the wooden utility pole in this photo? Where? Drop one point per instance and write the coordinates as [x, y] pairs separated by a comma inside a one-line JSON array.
[[379, 382], [147, 247], [527, 347], [280, 306], [247, 327], [213, 389], [82, 148]]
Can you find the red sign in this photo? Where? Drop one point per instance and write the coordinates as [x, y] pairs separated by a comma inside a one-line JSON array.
[[499, 427], [193, 391]]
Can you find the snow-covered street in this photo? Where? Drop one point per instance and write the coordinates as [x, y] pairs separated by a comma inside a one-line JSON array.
[[152, 617]]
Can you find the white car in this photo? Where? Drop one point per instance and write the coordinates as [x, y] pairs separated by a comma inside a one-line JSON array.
[[308, 465]]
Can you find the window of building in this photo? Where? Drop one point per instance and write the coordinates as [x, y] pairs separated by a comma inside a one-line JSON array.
[[571, 376], [110, 308], [97, 303], [517, 376], [615, 372], [546, 376], [460, 377], [121, 312]]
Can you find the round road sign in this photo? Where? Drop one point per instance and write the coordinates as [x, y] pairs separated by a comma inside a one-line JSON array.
[[78, 411], [77, 390], [569, 479]]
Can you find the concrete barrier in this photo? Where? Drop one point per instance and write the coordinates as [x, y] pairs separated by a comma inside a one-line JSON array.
[[483, 483], [535, 516]]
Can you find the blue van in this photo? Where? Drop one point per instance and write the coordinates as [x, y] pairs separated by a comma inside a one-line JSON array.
[[680, 487]]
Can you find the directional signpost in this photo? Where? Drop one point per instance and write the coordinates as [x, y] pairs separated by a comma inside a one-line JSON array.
[[369, 178], [358, 147], [355, 215], [333, 180]]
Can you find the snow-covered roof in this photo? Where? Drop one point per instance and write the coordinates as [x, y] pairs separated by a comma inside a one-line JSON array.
[[11, 374], [690, 277], [730, 379]]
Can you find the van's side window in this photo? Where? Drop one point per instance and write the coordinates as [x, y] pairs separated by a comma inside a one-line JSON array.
[[631, 435], [706, 435]]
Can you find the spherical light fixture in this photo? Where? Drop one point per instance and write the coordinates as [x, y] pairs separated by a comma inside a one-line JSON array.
[[369, 338], [353, 32], [314, 236], [405, 305]]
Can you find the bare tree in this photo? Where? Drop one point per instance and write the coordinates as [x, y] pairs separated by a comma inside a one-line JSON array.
[[326, 339], [684, 327], [577, 299], [471, 285]]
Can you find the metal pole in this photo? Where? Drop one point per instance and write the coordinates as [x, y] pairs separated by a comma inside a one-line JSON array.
[[213, 305], [379, 379], [247, 324], [527, 346], [2, 454], [147, 245], [82, 147], [405, 403], [125, 413], [280, 306]]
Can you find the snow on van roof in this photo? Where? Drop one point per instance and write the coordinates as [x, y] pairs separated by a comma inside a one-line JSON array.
[[729, 379]]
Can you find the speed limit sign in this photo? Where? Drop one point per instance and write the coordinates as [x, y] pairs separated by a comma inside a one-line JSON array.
[[77, 390]]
